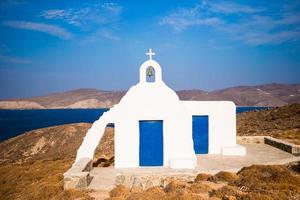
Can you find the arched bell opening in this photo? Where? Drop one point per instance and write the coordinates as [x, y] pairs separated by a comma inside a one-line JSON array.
[[104, 154], [150, 71], [150, 74]]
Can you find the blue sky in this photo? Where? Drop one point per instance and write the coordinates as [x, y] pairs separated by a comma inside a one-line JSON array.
[[61, 45]]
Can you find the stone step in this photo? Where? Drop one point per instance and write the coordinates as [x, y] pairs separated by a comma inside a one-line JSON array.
[[103, 178]]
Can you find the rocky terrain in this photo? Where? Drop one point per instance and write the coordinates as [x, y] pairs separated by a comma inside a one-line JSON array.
[[282, 123], [257, 182], [32, 165], [262, 95]]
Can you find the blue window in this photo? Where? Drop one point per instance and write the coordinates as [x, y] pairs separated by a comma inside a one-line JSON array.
[[151, 143]]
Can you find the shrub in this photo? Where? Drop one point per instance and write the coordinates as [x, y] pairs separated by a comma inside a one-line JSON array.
[[202, 177], [223, 177], [119, 191]]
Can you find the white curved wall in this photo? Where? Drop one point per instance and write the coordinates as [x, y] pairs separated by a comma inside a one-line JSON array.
[[93, 137]]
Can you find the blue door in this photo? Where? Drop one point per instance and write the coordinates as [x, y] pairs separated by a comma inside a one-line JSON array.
[[151, 143], [200, 134]]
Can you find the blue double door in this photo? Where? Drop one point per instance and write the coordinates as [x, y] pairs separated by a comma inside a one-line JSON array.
[[151, 143], [200, 134]]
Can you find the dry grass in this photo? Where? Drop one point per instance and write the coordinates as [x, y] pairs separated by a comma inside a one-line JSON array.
[[274, 181], [34, 180], [150, 194], [32, 164], [176, 187], [202, 177], [258, 182], [223, 177], [290, 135], [57, 142], [120, 191], [225, 192], [200, 188], [282, 123]]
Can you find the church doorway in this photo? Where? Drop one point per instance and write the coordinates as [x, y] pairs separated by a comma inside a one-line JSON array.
[[151, 143], [200, 134]]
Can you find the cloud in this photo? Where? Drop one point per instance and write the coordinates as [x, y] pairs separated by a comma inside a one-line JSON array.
[[260, 38], [203, 13], [187, 17], [97, 14], [262, 29], [40, 27], [96, 21], [230, 8], [66, 15], [14, 60], [247, 24], [99, 35]]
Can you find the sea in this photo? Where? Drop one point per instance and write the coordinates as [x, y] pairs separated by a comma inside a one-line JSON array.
[[16, 122]]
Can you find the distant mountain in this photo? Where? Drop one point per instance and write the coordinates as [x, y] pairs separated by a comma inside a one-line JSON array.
[[80, 98], [273, 94]]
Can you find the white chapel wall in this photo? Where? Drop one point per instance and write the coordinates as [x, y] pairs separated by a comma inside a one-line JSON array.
[[222, 122], [156, 101], [152, 101]]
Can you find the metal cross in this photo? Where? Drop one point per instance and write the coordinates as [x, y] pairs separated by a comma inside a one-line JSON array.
[[150, 54]]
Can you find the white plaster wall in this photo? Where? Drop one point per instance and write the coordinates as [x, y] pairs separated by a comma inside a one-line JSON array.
[[126, 143], [222, 122], [156, 101], [152, 101], [144, 101]]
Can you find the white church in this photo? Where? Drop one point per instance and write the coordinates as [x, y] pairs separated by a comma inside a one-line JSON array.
[[153, 128]]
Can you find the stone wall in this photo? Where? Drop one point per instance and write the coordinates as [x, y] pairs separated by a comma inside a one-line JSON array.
[[285, 146], [147, 181]]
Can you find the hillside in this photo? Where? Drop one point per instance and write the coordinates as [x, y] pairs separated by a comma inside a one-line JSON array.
[[282, 123], [32, 165], [261, 95], [57, 142]]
